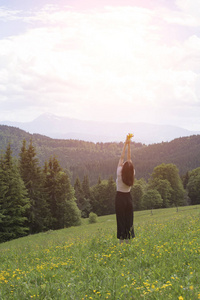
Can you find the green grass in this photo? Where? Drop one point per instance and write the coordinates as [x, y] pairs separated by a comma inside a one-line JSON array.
[[87, 262]]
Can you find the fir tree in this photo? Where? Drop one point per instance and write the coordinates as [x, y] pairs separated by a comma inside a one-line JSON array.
[[38, 214], [86, 205], [79, 194], [13, 200], [61, 199], [111, 192], [103, 196], [86, 187]]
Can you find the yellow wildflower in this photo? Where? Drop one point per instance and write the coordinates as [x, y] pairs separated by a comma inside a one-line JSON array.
[[129, 136]]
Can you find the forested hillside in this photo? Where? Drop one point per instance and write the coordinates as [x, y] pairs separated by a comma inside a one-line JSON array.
[[86, 158], [37, 193]]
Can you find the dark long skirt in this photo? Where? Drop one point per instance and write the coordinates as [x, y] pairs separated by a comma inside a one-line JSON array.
[[124, 215]]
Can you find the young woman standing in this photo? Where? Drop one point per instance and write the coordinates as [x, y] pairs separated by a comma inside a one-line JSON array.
[[123, 200]]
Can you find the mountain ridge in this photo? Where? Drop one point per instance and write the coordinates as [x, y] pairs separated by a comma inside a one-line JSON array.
[[57, 127], [81, 158]]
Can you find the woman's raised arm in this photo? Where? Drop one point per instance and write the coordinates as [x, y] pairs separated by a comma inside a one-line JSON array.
[[121, 160], [129, 150]]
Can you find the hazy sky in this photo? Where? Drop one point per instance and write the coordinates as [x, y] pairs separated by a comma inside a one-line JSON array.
[[122, 60]]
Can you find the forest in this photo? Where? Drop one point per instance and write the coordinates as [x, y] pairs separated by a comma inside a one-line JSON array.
[[80, 158], [45, 184]]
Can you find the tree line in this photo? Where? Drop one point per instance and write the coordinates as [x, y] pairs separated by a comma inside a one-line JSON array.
[[78, 158], [35, 198]]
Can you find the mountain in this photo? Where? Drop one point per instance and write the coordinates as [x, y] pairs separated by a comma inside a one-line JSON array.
[[67, 128]]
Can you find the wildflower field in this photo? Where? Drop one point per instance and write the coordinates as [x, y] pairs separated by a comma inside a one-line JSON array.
[[87, 262]]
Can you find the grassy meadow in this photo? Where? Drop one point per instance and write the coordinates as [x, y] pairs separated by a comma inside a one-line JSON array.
[[87, 262]]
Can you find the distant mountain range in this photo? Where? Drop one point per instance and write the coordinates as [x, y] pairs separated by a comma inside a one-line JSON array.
[[67, 128]]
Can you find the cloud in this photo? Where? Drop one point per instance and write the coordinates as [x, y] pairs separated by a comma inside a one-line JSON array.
[[91, 63], [9, 15], [191, 7]]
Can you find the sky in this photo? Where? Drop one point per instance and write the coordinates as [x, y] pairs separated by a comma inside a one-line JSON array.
[[116, 61]]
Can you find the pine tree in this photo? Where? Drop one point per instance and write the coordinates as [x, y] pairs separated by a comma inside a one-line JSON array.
[[2, 193], [185, 179], [72, 214], [79, 194], [38, 214], [111, 192], [103, 195], [50, 173], [86, 187], [13, 199], [61, 199], [86, 204], [96, 198], [99, 180]]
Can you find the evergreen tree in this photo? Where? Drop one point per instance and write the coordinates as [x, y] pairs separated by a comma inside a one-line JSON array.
[[72, 215], [86, 201], [96, 198], [99, 180], [86, 187], [110, 195], [61, 199], [80, 199], [13, 199], [103, 197], [1, 215], [50, 173], [38, 214], [100, 204], [185, 179], [78, 193], [2, 192]]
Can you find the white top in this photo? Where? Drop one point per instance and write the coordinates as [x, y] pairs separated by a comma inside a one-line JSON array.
[[121, 187]]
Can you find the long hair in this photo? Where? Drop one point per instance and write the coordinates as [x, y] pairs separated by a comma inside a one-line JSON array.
[[128, 173]]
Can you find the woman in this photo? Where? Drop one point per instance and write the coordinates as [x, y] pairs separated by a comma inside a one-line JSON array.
[[123, 200]]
